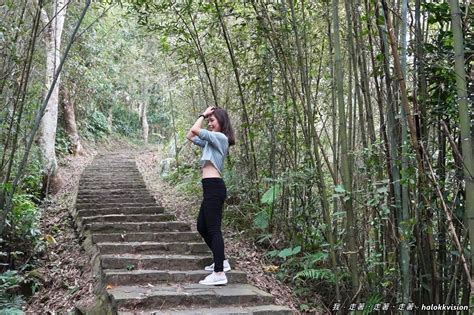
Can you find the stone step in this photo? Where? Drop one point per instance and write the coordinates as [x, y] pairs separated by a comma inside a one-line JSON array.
[[104, 197], [150, 248], [112, 185], [112, 178], [229, 310], [148, 260], [111, 169], [97, 186], [112, 166], [166, 296], [118, 211], [106, 178], [129, 218], [111, 192], [124, 205], [116, 277], [86, 182], [156, 262], [111, 227], [120, 199], [147, 237]]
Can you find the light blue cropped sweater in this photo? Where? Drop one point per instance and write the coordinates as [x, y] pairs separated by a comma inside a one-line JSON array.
[[215, 146]]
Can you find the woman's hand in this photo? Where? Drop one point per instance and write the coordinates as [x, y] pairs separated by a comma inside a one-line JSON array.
[[209, 111], [194, 131]]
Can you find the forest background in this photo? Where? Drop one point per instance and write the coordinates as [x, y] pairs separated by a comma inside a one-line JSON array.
[[353, 165]]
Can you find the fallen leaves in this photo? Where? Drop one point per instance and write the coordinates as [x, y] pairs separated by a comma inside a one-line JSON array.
[[270, 268], [50, 239], [64, 270]]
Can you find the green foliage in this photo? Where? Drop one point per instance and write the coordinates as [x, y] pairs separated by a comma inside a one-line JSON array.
[[31, 183], [372, 300], [24, 219], [317, 274], [280, 201], [310, 272], [271, 195], [186, 179], [126, 122], [96, 127], [285, 253], [10, 303], [62, 143], [261, 219]]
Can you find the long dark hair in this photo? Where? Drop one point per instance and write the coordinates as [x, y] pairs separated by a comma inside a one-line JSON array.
[[226, 128]]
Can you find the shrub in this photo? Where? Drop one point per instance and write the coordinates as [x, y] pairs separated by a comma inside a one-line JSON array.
[[125, 122], [96, 125], [24, 218], [11, 303]]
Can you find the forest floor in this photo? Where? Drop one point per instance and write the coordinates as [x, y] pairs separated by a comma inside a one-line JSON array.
[[64, 270]]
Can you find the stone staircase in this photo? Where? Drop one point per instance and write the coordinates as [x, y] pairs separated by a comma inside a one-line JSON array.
[[146, 261]]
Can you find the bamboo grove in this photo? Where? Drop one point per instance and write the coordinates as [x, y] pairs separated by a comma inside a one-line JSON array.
[[352, 114], [354, 122]]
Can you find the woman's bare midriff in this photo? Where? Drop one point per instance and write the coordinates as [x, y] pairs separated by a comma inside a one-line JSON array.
[[208, 170]]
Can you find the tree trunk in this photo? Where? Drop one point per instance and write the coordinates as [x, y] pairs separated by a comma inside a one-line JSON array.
[[47, 129], [70, 122], [465, 123], [404, 215], [110, 119], [346, 176], [174, 127], [144, 121]]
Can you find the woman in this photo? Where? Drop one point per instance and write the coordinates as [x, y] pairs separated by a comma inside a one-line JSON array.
[[215, 142]]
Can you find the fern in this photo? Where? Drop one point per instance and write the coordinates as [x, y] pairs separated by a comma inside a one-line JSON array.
[[316, 274]]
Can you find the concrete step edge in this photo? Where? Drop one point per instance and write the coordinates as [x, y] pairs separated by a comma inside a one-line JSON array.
[[268, 309]]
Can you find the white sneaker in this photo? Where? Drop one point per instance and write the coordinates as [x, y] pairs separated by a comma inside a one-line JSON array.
[[214, 279], [210, 268]]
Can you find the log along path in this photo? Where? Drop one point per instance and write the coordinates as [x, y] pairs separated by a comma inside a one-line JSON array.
[[146, 262]]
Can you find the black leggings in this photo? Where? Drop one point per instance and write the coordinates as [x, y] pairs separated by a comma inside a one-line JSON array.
[[210, 218]]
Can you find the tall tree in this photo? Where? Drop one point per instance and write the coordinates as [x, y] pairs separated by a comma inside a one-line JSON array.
[[70, 121], [404, 212], [47, 130], [465, 122], [346, 175]]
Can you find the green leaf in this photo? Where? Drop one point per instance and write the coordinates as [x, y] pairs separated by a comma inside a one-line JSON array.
[[304, 307], [289, 252], [296, 250], [339, 214], [261, 220], [382, 190], [317, 257], [271, 194], [285, 253], [339, 189], [273, 253]]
